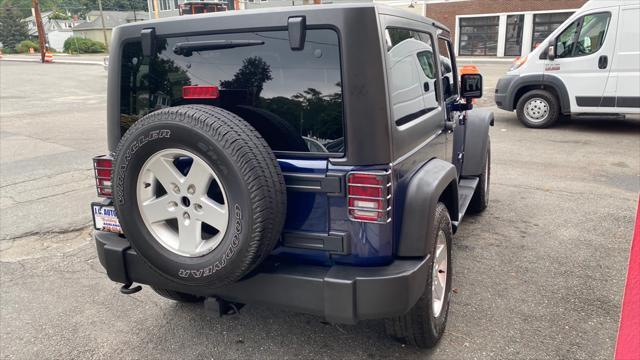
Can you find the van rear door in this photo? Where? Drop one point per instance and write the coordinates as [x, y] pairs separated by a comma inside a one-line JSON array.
[[624, 79], [584, 52]]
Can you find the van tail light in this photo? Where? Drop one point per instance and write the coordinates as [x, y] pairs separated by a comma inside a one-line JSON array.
[[102, 166], [369, 195]]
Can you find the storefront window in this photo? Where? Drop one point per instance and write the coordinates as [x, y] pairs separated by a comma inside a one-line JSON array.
[[544, 24], [513, 41], [479, 36]]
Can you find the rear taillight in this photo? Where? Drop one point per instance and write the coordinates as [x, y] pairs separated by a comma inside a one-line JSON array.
[[102, 166], [369, 196]]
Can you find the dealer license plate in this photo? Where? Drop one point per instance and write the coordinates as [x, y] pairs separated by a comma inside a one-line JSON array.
[[105, 218]]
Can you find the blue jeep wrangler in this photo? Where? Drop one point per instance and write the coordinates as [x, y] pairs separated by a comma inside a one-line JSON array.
[[316, 158]]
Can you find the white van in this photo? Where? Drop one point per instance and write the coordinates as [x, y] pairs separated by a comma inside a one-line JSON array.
[[589, 65]]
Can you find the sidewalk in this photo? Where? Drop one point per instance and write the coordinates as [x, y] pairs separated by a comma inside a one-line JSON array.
[[60, 58]]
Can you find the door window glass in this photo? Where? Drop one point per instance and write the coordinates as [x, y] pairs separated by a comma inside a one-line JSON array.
[[591, 29], [447, 69], [479, 35], [412, 74], [592, 34], [566, 41]]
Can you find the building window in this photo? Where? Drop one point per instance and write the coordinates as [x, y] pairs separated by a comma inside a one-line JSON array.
[[513, 41], [479, 36], [165, 5], [544, 24], [175, 4]]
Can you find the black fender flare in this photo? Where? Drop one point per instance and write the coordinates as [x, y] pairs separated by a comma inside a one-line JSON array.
[[435, 179], [540, 81], [476, 140]]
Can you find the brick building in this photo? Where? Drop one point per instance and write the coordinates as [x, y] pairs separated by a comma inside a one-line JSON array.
[[506, 28]]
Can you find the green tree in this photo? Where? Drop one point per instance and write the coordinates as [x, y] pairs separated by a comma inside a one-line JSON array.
[[251, 77], [12, 29]]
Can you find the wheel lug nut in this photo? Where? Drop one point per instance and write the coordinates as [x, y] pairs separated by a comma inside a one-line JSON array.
[[197, 207], [173, 205], [176, 189], [191, 189]]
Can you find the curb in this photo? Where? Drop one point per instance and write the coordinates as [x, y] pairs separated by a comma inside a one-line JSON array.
[[77, 62]]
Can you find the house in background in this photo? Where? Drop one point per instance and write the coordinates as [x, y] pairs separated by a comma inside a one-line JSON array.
[[502, 28], [57, 30], [92, 28], [167, 8]]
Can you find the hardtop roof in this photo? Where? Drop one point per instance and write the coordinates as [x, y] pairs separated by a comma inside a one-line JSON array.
[[302, 10]]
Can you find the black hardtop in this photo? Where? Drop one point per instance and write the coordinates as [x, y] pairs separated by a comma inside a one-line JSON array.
[[302, 10], [366, 109]]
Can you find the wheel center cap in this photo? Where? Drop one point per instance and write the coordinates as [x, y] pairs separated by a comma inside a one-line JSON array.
[[186, 202]]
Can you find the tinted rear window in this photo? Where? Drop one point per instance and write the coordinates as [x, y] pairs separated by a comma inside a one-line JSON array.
[[294, 98]]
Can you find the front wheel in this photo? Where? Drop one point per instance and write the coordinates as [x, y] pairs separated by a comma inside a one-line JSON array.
[[424, 324], [538, 109]]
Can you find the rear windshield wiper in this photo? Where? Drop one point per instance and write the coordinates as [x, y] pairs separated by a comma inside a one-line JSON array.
[[187, 48]]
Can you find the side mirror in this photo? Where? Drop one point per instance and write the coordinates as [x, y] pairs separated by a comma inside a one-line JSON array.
[[551, 52], [471, 86]]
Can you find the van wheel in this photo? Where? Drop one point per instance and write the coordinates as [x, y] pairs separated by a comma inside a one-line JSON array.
[[424, 324], [178, 296], [538, 109]]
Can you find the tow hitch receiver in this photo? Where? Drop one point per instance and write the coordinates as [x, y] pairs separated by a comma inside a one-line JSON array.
[[223, 307]]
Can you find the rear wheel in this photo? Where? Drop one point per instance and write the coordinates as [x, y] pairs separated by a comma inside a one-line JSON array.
[[178, 296], [538, 109], [424, 324]]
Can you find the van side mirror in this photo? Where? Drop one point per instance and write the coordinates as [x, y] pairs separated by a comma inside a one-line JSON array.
[[471, 86], [551, 52]]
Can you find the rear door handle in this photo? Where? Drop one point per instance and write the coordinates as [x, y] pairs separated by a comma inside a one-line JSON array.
[[603, 61]]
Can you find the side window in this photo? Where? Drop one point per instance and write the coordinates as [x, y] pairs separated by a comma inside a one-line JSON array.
[[447, 69], [583, 37], [566, 41], [594, 28], [412, 74]]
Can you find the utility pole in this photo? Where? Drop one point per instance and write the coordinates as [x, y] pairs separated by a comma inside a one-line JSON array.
[[156, 15], [104, 29], [41, 34], [135, 19]]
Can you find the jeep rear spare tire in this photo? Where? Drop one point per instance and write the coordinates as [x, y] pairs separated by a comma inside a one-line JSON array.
[[200, 194]]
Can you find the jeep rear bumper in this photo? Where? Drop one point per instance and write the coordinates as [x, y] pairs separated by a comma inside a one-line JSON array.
[[342, 294]]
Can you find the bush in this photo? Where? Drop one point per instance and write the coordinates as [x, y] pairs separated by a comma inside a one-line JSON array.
[[79, 45], [25, 45]]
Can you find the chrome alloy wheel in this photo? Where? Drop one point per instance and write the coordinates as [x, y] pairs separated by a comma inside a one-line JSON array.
[[439, 274], [536, 110], [182, 202]]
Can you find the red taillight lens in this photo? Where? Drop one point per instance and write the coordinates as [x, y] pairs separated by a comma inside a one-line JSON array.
[[102, 166], [200, 92], [368, 196]]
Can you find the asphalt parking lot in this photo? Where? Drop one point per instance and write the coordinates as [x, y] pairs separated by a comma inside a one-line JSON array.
[[539, 275]]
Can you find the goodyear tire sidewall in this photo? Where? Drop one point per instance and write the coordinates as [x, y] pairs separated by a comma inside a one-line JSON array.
[[225, 260]]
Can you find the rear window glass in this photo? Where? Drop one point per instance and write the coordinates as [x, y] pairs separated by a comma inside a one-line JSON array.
[[293, 98]]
